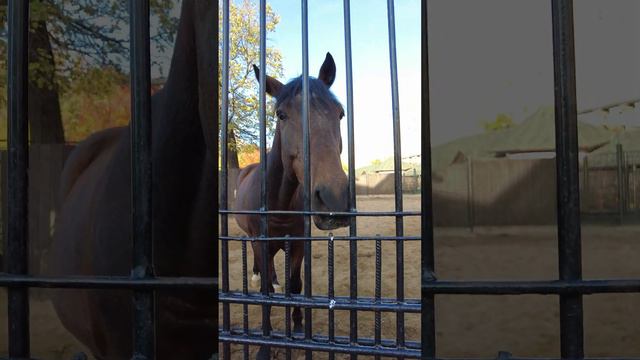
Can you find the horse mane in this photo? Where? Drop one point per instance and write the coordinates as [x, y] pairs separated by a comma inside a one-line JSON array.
[[319, 93]]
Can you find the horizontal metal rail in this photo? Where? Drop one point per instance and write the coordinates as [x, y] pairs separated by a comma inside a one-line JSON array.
[[319, 238], [324, 213], [552, 287], [323, 302], [313, 344], [107, 282], [366, 341]]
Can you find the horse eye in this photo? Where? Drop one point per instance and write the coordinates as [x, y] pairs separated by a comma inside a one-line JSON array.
[[281, 115]]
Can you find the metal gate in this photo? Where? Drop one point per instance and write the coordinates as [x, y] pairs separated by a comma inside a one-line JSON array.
[[329, 343], [570, 287], [142, 280]]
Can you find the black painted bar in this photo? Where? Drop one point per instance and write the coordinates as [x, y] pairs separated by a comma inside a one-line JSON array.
[[324, 302], [353, 245], [107, 282], [224, 202], [264, 225], [331, 294], [320, 238], [143, 301], [315, 345], [307, 169], [355, 213], [553, 287], [378, 295], [18, 180], [342, 340], [428, 337], [397, 162], [245, 292], [568, 191], [287, 293]]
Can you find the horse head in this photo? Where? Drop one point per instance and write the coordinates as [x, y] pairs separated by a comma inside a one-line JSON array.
[[329, 190]]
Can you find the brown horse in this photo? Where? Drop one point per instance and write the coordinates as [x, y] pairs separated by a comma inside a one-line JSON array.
[[93, 227], [285, 173]]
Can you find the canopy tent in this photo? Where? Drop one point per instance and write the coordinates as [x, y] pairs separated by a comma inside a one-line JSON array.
[[537, 134]]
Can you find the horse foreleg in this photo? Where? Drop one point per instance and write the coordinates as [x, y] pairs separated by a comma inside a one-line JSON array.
[[260, 273], [297, 255]]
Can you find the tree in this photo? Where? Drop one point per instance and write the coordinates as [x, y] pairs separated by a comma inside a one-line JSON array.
[[69, 38], [502, 121], [244, 51]]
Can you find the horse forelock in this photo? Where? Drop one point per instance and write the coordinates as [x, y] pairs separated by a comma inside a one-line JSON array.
[[319, 93]]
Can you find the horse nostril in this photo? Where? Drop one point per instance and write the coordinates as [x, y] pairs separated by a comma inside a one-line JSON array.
[[318, 194]]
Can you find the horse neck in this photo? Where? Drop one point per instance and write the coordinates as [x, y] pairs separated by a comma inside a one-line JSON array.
[[281, 186], [180, 161], [177, 108]]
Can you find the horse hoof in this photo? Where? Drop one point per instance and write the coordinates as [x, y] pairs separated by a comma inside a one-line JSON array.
[[277, 288], [255, 281]]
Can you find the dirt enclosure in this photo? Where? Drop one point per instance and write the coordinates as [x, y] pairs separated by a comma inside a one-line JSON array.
[[470, 326], [467, 326]]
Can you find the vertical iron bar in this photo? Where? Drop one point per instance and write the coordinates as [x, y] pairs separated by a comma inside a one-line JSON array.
[[287, 293], [427, 246], [570, 257], [18, 180], [245, 292], [264, 275], [353, 245], [331, 294], [144, 302], [224, 201], [397, 161], [307, 170], [378, 294]]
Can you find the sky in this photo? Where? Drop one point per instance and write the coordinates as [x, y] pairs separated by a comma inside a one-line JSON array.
[[370, 62], [485, 57]]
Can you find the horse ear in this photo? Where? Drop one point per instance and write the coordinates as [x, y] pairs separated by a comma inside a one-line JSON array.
[[273, 85], [328, 71]]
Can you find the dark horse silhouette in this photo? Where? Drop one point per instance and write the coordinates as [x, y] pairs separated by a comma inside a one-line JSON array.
[[285, 173], [93, 227]]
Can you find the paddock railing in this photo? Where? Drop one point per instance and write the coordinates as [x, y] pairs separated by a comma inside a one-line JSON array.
[[142, 281], [569, 287], [354, 344]]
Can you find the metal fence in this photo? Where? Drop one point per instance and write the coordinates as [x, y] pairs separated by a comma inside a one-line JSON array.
[[328, 343], [142, 280], [570, 287], [610, 185]]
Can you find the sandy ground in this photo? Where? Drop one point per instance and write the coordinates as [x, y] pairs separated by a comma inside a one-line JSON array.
[[467, 326], [49, 340], [477, 326]]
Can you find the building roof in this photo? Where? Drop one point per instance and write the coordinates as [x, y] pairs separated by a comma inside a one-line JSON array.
[[475, 146]]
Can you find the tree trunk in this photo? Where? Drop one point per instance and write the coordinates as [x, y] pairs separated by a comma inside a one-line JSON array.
[[45, 119], [233, 161]]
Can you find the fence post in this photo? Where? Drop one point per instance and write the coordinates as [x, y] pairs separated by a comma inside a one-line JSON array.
[[585, 181], [470, 200], [619, 176]]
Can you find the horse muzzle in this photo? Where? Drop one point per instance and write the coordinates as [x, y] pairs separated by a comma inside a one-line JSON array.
[[330, 222]]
